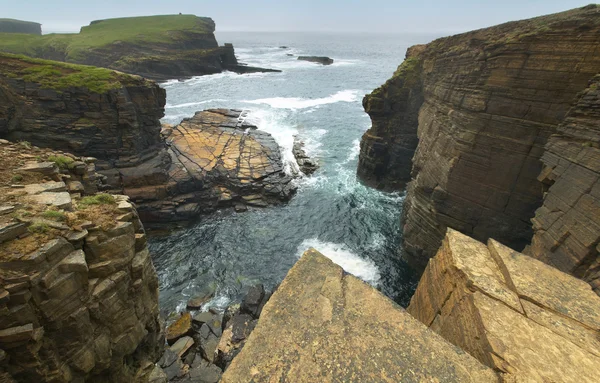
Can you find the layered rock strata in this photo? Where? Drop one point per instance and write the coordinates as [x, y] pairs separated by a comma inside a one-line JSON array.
[[517, 315], [567, 226], [107, 119], [322, 325], [490, 100], [212, 160], [78, 291]]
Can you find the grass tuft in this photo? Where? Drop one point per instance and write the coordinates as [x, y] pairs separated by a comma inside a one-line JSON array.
[[54, 215], [38, 228], [98, 199], [63, 162]]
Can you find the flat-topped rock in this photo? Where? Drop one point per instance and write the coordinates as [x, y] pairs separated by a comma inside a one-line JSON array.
[[317, 59], [549, 335], [322, 325]]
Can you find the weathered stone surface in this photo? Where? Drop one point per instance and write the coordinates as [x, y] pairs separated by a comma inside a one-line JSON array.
[[182, 345], [306, 164], [212, 160], [180, 328], [74, 306], [487, 102], [552, 335], [567, 226], [201, 298], [324, 325], [59, 200]]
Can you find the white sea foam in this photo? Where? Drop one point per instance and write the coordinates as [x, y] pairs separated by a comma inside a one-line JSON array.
[[340, 254], [275, 124], [354, 151], [303, 103], [187, 104]]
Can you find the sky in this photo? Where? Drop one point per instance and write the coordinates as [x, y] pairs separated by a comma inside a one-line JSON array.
[[377, 16]]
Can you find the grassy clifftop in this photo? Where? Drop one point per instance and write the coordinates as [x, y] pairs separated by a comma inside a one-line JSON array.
[[59, 76], [100, 34], [20, 26]]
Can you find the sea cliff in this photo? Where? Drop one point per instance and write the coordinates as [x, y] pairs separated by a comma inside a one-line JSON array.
[[477, 110], [157, 47]]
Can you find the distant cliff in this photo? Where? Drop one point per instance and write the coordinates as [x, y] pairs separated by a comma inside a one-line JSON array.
[[477, 109], [20, 26], [156, 47]]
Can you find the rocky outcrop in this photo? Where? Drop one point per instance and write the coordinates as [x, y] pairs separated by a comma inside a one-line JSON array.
[[317, 59], [20, 26], [157, 47], [212, 160], [116, 115], [517, 315], [78, 291], [322, 325], [387, 148], [567, 226], [306, 164], [202, 344], [490, 100]]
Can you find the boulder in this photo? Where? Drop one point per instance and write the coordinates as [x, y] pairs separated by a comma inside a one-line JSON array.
[[512, 312], [180, 328], [325, 325]]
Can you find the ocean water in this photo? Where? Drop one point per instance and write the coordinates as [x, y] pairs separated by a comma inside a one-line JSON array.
[[355, 226]]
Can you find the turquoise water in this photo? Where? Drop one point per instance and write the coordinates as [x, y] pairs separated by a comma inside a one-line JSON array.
[[357, 227]]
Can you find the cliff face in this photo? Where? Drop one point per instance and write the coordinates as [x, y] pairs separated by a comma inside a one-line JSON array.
[[210, 161], [517, 315], [387, 148], [156, 47], [491, 99], [20, 26], [567, 226], [86, 111], [78, 291]]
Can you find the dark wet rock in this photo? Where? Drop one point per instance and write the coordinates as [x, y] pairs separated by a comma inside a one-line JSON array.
[[205, 373], [196, 302], [157, 376], [168, 358], [212, 320], [176, 370], [182, 345], [317, 59], [241, 326], [283, 47], [208, 343], [254, 301], [306, 164]]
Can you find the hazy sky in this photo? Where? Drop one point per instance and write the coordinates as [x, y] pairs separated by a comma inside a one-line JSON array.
[[295, 15]]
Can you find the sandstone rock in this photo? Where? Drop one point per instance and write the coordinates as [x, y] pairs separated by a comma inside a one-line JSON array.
[[549, 335], [45, 187], [200, 299], [307, 165], [182, 345], [180, 328], [60, 200], [486, 101], [45, 168], [337, 328], [567, 225], [11, 230]]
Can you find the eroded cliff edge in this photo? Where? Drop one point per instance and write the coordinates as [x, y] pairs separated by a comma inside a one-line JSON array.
[[212, 160], [78, 291], [490, 100]]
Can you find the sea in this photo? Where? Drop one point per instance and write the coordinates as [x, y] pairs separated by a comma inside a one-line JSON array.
[[355, 226]]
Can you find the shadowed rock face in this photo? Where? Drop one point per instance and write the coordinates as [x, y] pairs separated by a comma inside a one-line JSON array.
[[122, 121], [490, 100], [515, 314], [567, 226], [322, 325], [78, 291]]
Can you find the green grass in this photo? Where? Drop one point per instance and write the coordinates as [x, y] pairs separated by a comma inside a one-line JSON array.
[[133, 30], [17, 178], [54, 215], [62, 162], [98, 199], [38, 228], [59, 76]]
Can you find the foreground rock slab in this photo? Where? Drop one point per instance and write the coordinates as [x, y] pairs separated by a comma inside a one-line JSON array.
[[322, 325], [514, 313]]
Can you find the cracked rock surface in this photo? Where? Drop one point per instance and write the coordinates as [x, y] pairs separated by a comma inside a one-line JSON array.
[[322, 325]]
